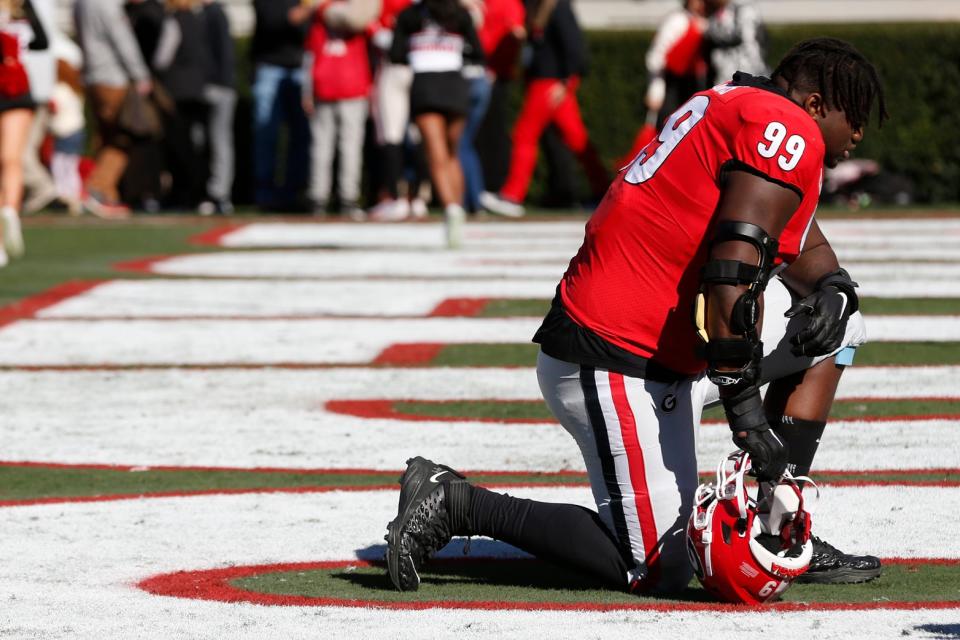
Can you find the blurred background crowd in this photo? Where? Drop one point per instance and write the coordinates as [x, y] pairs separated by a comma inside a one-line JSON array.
[[370, 109]]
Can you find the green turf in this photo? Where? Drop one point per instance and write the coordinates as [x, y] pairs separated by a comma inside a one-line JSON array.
[[525, 355], [486, 409], [486, 355], [534, 307], [20, 483], [910, 306], [34, 482], [39, 482], [843, 409], [908, 353], [87, 249], [536, 582], [537, 410]]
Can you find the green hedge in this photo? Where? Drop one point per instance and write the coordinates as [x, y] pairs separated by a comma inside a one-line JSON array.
[[920, 65]]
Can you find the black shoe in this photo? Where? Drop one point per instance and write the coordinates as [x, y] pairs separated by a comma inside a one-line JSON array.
[[422, 525], [831, 566]]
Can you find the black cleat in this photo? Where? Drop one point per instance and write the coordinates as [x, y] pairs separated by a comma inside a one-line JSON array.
[[831, 566], [422, 526]]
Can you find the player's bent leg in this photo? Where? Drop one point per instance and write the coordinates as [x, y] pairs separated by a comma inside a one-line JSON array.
[[637, 440], [437, 503], [798, 407]]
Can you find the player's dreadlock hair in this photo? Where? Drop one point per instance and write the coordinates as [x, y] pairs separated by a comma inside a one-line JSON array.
[[832, 67]]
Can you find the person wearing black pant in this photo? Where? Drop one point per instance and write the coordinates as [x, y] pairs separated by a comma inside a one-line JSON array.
[[277, 51], [220, 95], [181, 62], [141, 185]]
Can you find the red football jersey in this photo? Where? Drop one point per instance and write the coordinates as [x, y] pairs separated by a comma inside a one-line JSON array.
[[636, 276]]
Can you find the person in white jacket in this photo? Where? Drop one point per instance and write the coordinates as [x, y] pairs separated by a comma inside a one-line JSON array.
[[41, 69]]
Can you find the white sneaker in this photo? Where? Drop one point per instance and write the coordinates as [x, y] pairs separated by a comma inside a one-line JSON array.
[[12, 235], [454, 218], [495, 203], [391, 211], [40, 200], [418, 209]]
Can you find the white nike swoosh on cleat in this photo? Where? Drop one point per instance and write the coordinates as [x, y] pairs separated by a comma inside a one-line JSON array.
[[434, 477]]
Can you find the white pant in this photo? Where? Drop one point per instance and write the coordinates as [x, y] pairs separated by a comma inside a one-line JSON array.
[[638, 440], [337, 126], [391, 102]]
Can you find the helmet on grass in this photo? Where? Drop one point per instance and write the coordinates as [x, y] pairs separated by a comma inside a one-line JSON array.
[[743, 552]]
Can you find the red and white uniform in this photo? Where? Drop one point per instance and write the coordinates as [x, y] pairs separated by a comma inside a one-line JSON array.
[[632, 286], [635, 278]]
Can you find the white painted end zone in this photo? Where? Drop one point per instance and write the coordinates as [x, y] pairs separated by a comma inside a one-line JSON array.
[[891, 227], [77, 564], [314, 341], [491, 235], [277, 419], [308, 340], [903, 279], [183, 298]]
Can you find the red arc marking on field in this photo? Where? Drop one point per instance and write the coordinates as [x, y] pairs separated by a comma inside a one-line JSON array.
[[387, 409], [214, 237], [31, 306], [141, 265], [215, 584]]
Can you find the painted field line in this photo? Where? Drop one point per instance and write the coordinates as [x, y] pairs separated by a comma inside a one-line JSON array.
[[299, 234], [904, 279], [824, 480], [253, 299], [387, 409], [216, 236], [306, 341], [276, 418], [491, 235], [35, 305], [84, 561], [217, 585]]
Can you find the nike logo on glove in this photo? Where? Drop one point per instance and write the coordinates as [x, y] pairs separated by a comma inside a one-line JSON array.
[[434, 477]]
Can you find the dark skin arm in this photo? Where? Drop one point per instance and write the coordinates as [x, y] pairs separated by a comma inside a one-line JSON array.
[[815, 261], [745, 198]]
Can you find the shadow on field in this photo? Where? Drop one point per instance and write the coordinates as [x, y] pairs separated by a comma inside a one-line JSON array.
[[499, 566], [941, 631]]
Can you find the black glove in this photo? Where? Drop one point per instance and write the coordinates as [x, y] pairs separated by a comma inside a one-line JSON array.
[[829, 308], [768, 454]]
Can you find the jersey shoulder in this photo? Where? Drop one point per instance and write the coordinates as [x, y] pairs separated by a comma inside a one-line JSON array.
[[771, 134], [756, 106]]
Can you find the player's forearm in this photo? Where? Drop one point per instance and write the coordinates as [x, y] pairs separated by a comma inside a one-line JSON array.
[[813, 263]]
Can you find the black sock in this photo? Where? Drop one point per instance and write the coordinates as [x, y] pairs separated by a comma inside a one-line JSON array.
[[566, 534], [392, 167], [802, 437]]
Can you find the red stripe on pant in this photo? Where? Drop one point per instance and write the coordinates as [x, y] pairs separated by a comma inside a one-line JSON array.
[[638, 476], [535, 115]]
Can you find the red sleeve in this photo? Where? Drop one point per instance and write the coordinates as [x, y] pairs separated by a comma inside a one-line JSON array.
[[782, 143], [516, 13]]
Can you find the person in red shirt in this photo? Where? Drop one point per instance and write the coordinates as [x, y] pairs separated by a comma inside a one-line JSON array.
[[694, 228], [558, 60], [676, 68], [337, 80], [501, 29]]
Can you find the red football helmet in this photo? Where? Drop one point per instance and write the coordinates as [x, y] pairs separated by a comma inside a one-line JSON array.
[[743, 553]]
